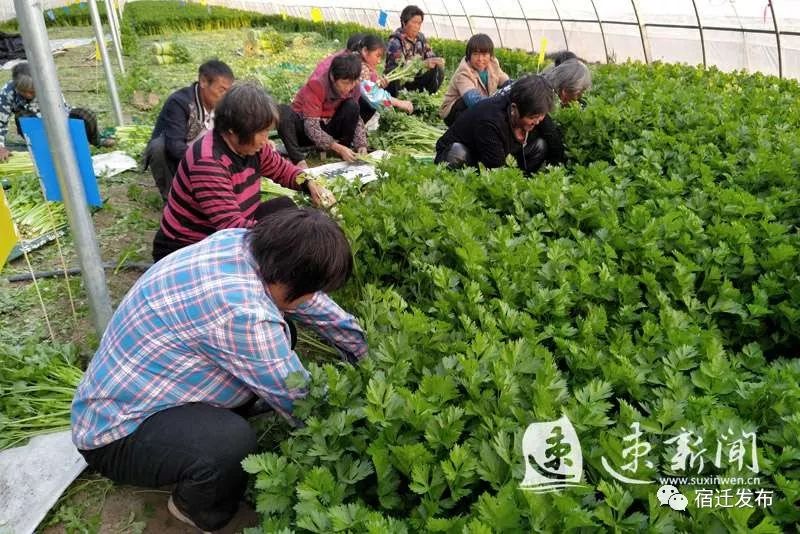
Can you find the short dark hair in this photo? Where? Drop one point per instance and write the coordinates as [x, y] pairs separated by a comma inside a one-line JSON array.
[[370, 41], [409, 12], [213, 69], [533, 95], [346, 66], [245, 110], [302, 248], [480, 42], [21, 75]]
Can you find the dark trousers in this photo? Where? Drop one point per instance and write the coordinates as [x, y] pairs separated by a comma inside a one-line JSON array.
[[162, 167], [163, 245], [196, 446], [86, 115], [342, 127], [530, 159], [365, 110], [458, 108], [429, 81]]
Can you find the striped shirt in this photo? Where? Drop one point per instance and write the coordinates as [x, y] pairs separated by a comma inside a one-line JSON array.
[[199, 326], [215, 188]]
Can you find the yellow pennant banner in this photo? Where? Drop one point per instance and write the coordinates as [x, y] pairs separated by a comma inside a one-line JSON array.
[[542, 52], [316, 14], [8, 232]]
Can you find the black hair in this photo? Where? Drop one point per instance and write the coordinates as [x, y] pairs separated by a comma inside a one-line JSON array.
[[533, 95], [346, 66], [409, 12], [561, 56], [213, 69], [245, 110], [303, 249], [480, 42], [370, 41], [354, 40]]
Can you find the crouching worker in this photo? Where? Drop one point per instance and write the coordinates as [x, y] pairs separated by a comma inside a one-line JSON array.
[[478, 76], [325, 112], [513, 122], [202, 336], [218, 182], [18, 99], [186, 115]]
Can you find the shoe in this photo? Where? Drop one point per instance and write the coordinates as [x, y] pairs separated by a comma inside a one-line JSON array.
[[107, 143], [177, 514]]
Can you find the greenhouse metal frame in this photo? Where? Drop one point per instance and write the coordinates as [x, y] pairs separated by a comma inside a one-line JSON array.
[[751, 35]]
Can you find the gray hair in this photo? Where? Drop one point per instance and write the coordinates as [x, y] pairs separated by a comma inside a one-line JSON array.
[[21, 74], [571, 75]]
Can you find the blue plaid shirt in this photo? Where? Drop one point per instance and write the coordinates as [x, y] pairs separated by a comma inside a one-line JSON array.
[[199, 326]]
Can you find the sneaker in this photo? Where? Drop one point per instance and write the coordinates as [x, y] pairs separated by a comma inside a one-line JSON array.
[[177, 514], [107, 142]]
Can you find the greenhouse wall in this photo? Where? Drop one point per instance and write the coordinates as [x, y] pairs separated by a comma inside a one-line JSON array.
[[730, 35], [750, 35]]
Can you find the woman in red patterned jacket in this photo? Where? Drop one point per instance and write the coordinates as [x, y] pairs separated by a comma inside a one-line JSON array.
[[325, 112]]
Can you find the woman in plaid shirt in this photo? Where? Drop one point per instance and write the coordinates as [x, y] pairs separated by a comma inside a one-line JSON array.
[[200, 338]]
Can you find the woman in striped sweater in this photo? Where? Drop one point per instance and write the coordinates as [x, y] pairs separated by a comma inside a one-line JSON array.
[[218, 182]]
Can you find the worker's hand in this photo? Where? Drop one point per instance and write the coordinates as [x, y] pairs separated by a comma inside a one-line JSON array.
[[405, 105], [302, 164], [383, 82], [432, 62], [362, 150], [4, 154], [344, 152], [320, 196]]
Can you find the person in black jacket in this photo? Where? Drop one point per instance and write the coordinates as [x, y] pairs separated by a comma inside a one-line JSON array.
[[187, 113], [512, 122]]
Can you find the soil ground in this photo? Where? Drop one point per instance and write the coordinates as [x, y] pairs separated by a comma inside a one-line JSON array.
[[125, 227]]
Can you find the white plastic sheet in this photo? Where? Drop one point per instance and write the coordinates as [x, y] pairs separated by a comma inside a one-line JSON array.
[[33, 477]]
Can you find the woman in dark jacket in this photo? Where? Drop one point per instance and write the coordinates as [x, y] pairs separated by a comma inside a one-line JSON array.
[[515, 122], [406, 43]]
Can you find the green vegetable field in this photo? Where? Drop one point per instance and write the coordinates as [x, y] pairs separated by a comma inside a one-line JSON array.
[[648, 292]]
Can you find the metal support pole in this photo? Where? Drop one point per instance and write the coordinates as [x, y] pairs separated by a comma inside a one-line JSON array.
[[496, 25], [777, 38], [527, 23], [101, 45], [48, 93], [561, 22], [602, 32], [469, 20], [645, 45], [452, 25], [115, 38], [702, 36]]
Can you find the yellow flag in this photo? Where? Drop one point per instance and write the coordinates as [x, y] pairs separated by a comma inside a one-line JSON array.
[[283, 15], [96, 52], [542, 51], [8, 232], [316, 14]]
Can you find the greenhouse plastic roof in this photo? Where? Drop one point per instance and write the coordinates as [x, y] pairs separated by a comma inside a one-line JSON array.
[[752, 35]]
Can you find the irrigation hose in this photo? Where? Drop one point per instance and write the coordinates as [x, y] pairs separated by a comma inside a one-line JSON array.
[[26, 277]]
